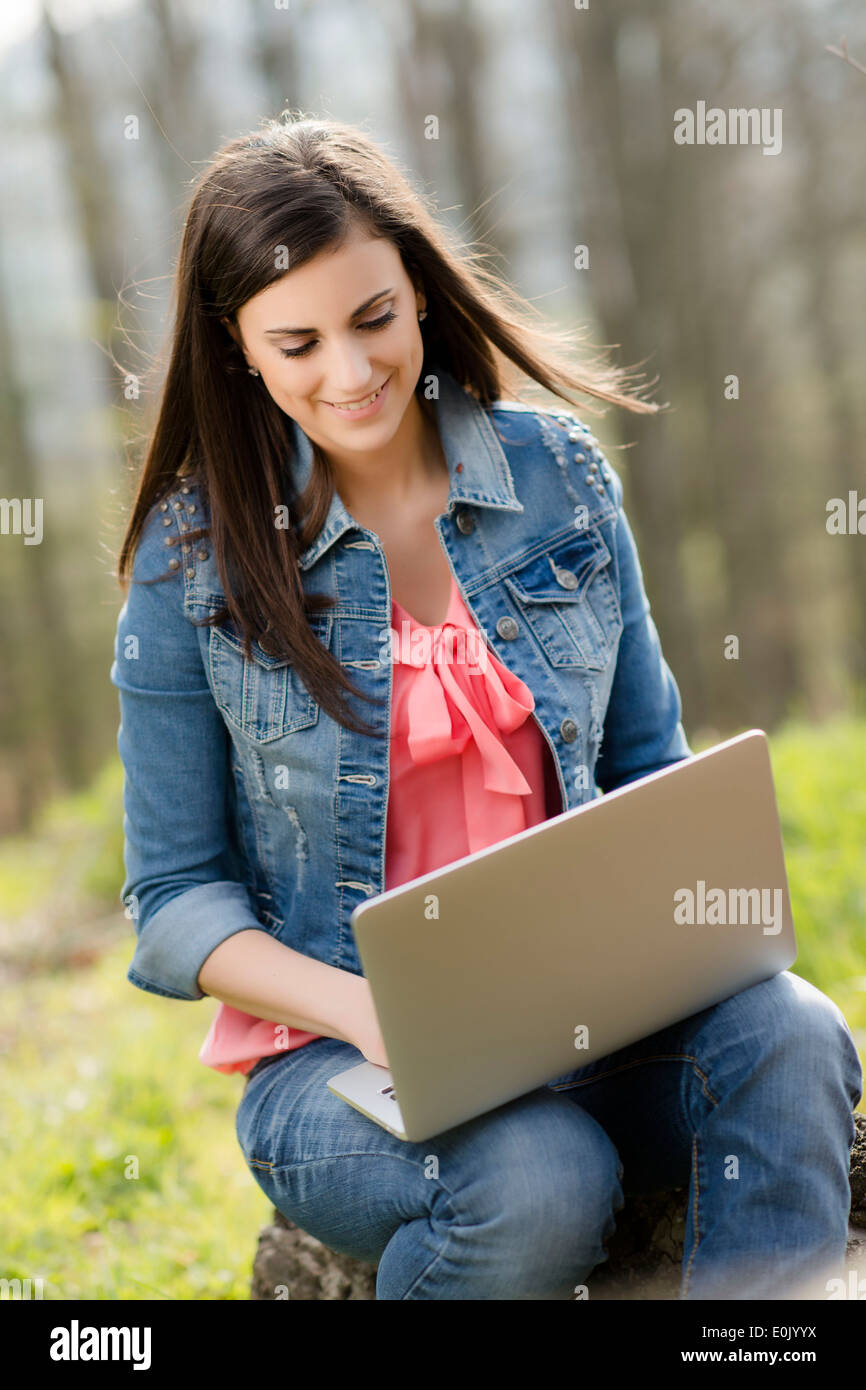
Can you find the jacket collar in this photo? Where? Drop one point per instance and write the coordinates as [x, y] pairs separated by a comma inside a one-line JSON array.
[[468, 438]]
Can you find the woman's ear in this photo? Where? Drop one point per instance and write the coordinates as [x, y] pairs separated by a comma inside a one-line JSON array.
[[232, 330], [417, 285], [236, 335]]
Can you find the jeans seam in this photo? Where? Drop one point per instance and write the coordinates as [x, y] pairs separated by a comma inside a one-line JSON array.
[[640, 1061], [696, 1206], [329, 1158]]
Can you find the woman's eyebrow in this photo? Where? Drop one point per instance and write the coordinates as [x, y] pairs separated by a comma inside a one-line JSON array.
[[272, 332]]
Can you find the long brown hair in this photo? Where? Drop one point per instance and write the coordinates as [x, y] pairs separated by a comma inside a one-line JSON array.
[[303, 183]]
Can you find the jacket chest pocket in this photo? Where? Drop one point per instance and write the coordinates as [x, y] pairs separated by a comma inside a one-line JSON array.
[[568, 599], [262, 696]]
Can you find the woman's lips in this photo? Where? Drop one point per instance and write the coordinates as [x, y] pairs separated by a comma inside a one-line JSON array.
[[365, 411]]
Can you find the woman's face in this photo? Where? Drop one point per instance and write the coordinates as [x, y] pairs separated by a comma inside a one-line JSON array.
[[336, 331]]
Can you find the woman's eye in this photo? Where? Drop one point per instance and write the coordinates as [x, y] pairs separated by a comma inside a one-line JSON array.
[[297, 352], [370, 324], [379, 322]]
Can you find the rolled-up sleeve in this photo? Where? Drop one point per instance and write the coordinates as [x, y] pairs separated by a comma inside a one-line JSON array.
[[179, 888], [643, 729]]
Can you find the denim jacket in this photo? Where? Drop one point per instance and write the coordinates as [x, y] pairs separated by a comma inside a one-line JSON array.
[[248, 807]]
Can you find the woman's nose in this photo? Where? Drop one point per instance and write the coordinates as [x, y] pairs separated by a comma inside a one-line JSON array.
[[348, 371]]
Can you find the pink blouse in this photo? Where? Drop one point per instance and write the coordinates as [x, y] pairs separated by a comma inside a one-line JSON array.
[[461, 738]]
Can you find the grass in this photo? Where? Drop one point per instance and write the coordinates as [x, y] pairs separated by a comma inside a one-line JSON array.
[[820, 780], [123, 1179]]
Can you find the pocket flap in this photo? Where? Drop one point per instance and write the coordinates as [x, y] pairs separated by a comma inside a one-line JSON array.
[[576, 558], [319, 622]]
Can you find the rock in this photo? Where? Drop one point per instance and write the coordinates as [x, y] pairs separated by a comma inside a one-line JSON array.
[[644, 1253], [858, 1173], [291, 1264]]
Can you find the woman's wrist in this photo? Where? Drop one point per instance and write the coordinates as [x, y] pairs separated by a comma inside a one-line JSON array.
[[351, 1006]]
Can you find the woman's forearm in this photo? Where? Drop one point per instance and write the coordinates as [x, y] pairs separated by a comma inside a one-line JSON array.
[[253, 972]]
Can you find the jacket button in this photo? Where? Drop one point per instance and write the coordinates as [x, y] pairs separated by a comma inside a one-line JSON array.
[[567, 578], [568, 729], [465, 522], [507, 628], [174, 563]]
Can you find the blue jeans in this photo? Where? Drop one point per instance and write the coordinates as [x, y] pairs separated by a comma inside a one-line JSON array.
[[748, 1102]]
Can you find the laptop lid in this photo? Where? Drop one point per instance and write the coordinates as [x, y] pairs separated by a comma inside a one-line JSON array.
[[535, 956]]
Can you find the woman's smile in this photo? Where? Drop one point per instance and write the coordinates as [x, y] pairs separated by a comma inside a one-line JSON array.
[[365, 407]]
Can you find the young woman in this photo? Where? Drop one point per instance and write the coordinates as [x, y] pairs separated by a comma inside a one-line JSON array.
[[344, 503]]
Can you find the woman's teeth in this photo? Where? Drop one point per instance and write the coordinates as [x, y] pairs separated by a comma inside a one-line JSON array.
[[359, 405]]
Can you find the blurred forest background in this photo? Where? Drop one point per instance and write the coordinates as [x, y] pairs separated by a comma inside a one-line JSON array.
[[555, 131]]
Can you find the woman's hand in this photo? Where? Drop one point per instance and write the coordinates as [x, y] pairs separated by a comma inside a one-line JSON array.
[[365, 1032]]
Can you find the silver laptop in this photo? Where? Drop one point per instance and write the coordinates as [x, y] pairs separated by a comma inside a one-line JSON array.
[[526, 960]]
